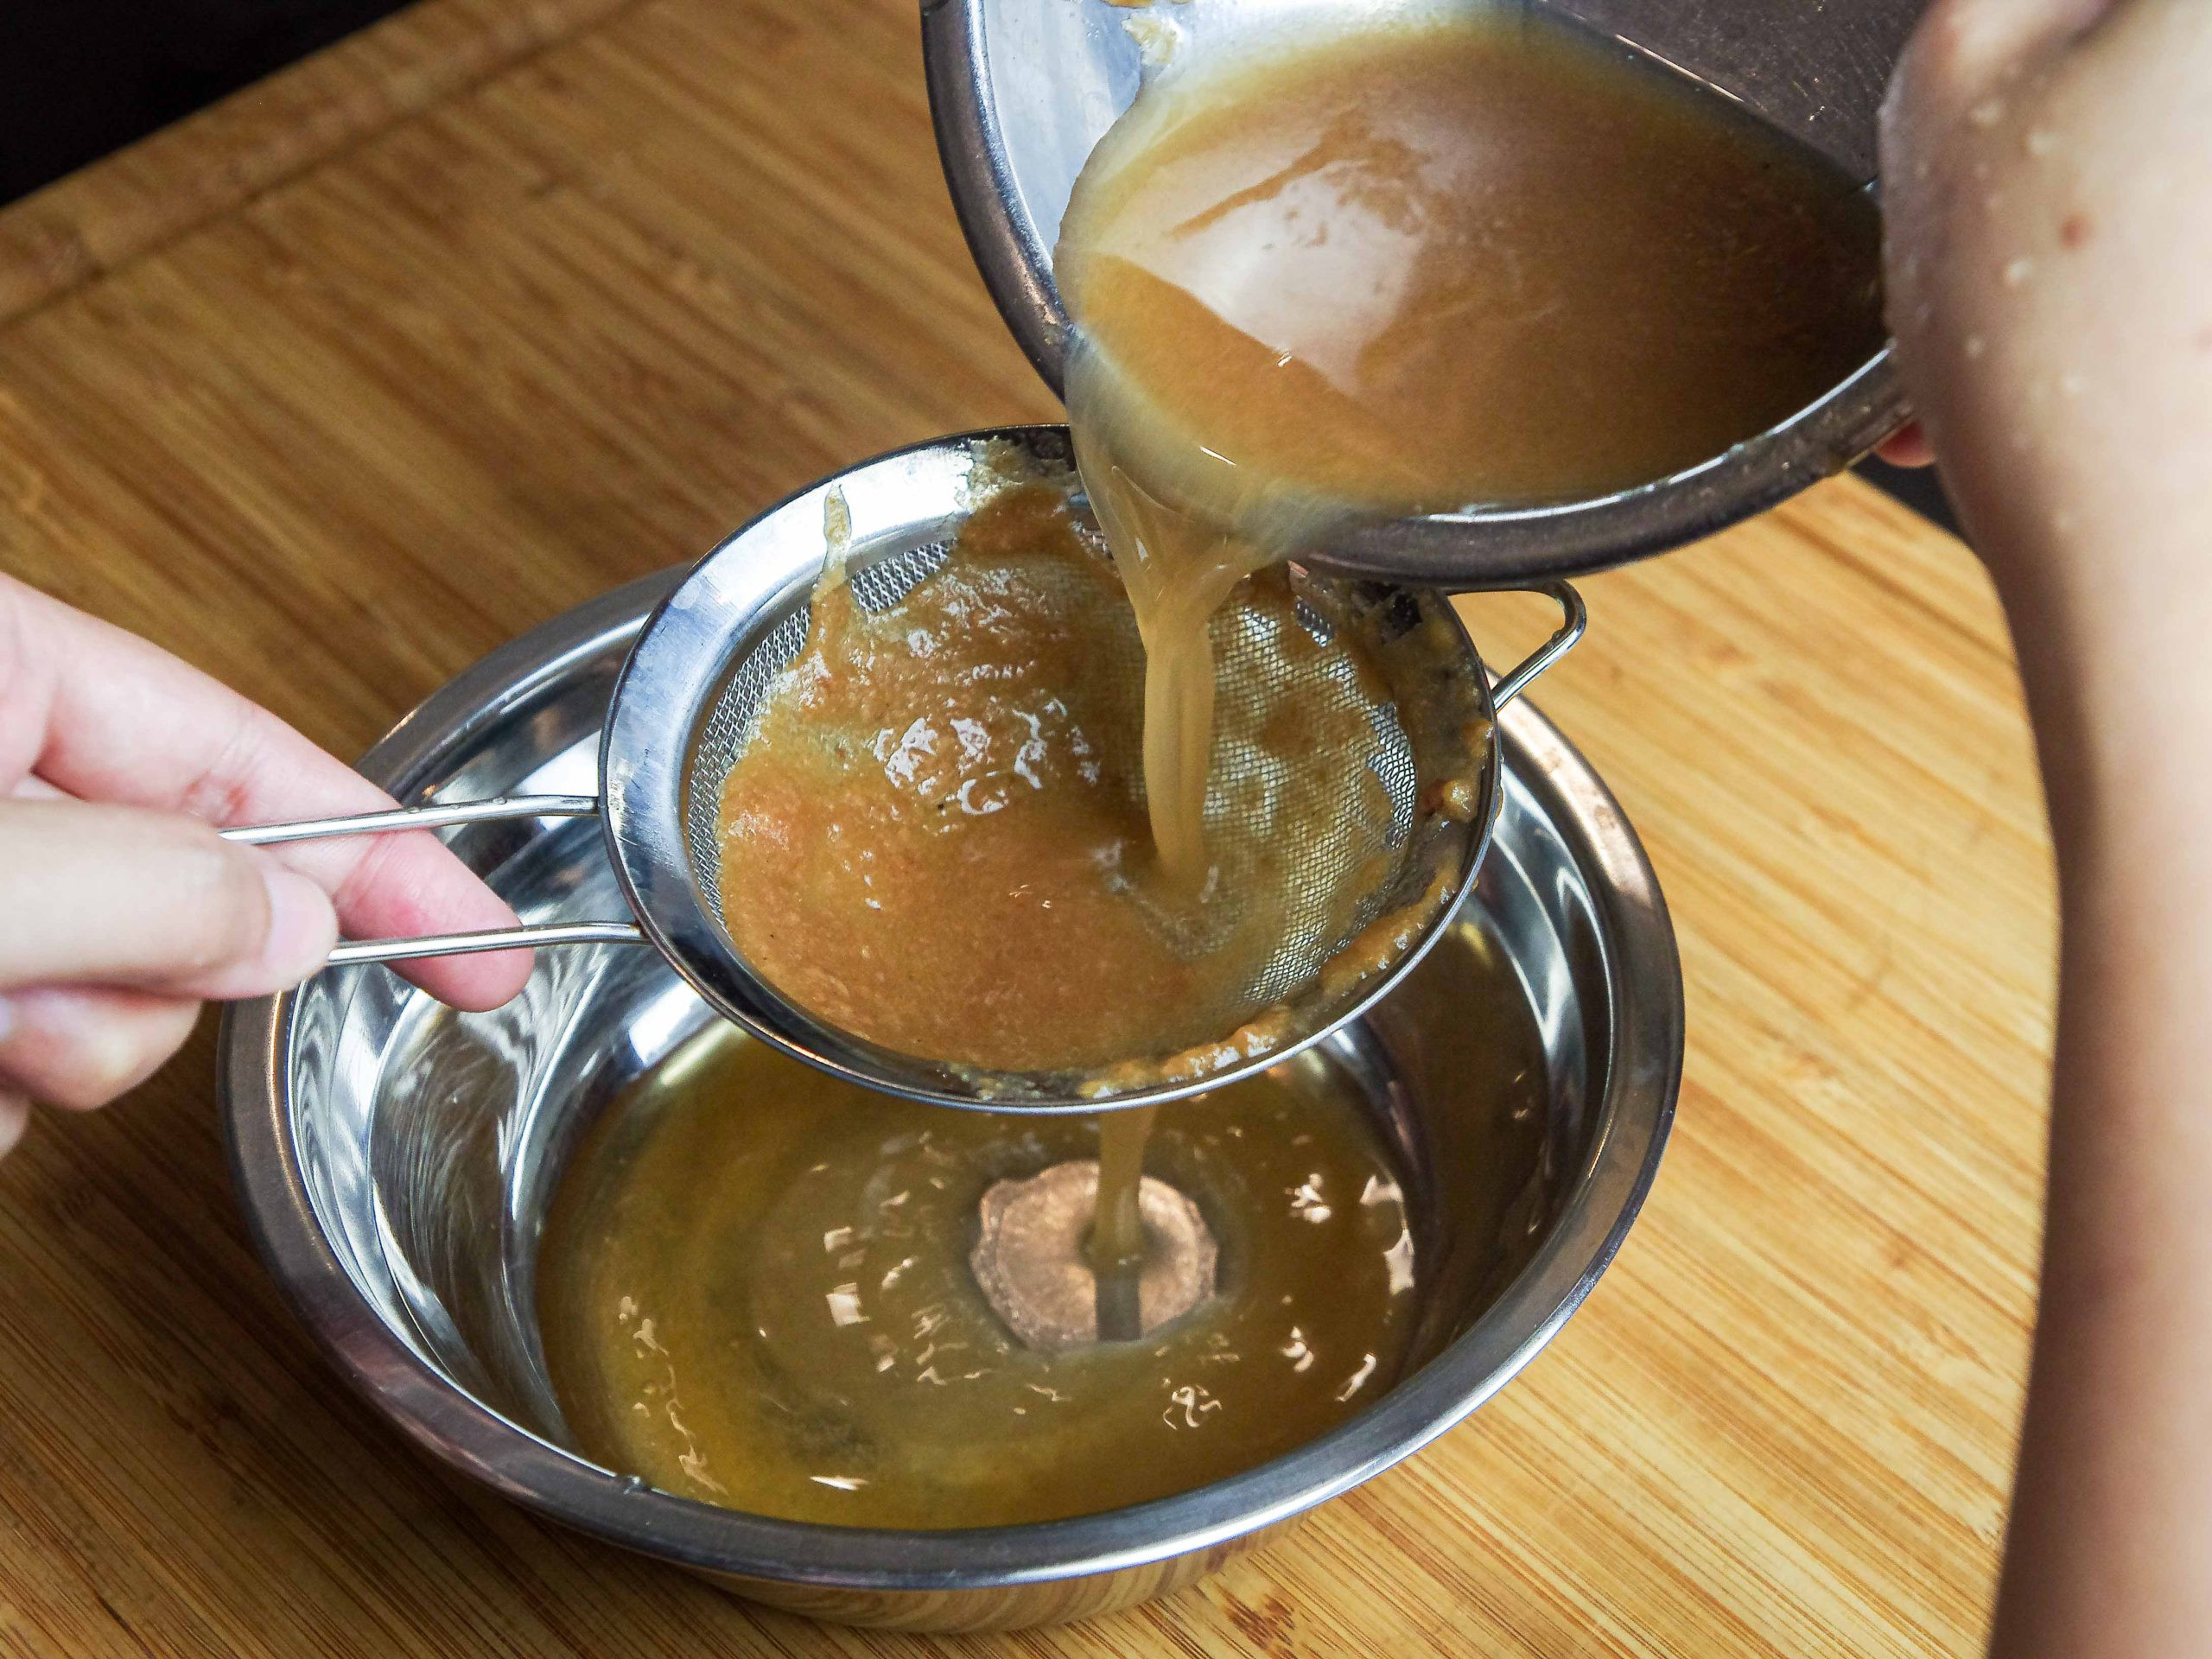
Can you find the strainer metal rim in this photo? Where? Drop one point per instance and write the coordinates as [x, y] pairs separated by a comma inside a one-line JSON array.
[[680, 661]]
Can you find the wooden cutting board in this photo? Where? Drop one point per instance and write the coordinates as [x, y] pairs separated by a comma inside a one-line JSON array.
[[347, 381]]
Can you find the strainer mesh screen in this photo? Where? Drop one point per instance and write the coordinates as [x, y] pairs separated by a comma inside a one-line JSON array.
[[875, 587], [1312, 838]]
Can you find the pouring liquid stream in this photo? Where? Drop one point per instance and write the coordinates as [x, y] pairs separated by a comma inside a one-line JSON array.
[[1484, 261], [1440, 265], [1422, 267], [1427, 266], [1117, 1241]]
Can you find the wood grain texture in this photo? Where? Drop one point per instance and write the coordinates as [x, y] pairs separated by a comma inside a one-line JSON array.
[[105, 216], [565, 314]]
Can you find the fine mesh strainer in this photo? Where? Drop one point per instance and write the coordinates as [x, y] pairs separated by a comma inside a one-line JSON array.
[[694, 682]]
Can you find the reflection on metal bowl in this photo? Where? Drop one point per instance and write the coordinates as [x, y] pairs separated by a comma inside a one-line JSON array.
[[396, 1161]]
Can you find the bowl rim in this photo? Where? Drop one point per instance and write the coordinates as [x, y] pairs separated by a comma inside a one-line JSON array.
[[1630, 1132]]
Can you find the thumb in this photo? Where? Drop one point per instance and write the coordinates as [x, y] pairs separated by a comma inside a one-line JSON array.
[[108, 895]]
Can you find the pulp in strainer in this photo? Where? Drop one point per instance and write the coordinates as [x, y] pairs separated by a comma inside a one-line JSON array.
[[934, 832]]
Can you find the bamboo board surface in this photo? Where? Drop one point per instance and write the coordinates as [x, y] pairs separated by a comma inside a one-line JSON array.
[[341, 385]]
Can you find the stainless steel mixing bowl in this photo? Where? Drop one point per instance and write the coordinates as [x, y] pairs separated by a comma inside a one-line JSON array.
[[1021, 91], [396, 1160]]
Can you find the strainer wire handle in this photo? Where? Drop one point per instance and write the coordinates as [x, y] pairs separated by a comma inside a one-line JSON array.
[[1575, 619], [440, 815]]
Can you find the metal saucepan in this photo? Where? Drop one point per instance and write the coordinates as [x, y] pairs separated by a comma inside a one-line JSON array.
[[1021, 92]]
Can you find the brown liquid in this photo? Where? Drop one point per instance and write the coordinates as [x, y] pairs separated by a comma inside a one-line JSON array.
[[939, 830], [1482, 262], [1117, 1238], [754, 1290], [1486, 262]]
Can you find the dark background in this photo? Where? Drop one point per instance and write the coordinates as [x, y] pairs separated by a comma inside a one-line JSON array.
[[81, 77]]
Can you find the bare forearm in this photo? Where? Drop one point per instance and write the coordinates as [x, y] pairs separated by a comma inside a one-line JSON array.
[[2049, 166], [2111, 1544]]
